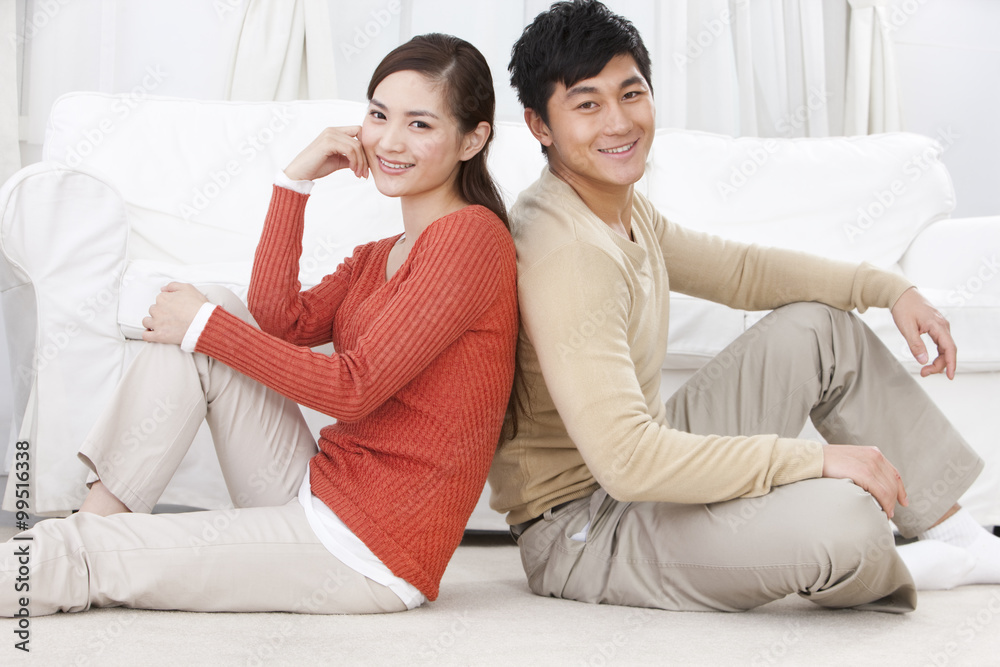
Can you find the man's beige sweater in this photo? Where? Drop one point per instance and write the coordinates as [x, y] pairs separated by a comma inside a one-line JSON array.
[[594, 315]]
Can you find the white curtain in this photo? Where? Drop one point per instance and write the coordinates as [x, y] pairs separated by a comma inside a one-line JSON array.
[[728, 66], [10, 151], [872, 85], [284, 52], [740, 67], [760, 68]]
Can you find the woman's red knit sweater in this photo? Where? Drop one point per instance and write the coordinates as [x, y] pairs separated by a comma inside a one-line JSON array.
[[418, 384]]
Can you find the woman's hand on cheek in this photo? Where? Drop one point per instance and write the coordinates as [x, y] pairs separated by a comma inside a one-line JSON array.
[[335, 148], [171, 315]]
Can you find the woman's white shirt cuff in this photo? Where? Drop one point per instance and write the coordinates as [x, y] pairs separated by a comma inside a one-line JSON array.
[[302, 187], [197, 326]]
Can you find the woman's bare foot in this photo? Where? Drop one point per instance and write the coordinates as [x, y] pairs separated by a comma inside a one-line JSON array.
[[101, 501]]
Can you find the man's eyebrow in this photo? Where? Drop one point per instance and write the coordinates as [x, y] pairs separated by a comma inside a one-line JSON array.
[[581, 90], [590, 90], [415, 112]]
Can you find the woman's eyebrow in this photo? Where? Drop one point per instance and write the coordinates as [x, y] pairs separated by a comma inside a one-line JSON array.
[[419, 112], [415, 112]]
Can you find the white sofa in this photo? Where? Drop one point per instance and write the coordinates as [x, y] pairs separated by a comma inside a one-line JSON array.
[[134, 192]]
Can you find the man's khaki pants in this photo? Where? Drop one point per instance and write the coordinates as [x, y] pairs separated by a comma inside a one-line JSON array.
[[825, 539], [259, 556]]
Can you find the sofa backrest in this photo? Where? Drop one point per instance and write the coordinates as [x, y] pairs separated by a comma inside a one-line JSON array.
[[196, 175], [850, 198]]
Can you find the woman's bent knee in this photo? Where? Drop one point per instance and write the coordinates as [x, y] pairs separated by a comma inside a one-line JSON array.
[[225, 297]]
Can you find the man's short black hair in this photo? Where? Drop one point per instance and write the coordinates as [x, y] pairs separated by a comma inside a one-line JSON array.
[[570, 42]]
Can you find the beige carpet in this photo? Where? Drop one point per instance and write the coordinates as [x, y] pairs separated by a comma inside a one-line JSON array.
[[486, 616]]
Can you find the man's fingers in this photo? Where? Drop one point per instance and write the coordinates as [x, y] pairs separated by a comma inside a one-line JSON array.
[[868, 468], [886, 497], [911, 332], [896, 490], [949, 351], [886, 483], [931, 369], [917, 347], [947, 359]]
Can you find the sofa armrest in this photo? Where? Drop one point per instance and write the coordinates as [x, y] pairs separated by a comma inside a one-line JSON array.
[[960, 256], [63, 244], [956, 264]]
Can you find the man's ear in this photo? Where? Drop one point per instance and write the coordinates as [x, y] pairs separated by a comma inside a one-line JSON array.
[[475, 140], [538, 127]]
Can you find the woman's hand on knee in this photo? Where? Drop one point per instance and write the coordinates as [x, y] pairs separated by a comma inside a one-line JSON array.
[[335, 148], [868, 468], [169, 318]]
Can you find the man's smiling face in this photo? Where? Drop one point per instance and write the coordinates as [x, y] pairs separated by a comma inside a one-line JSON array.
[[600, 129]]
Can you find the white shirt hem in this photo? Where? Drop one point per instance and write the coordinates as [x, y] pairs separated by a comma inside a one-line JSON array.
[[350, 550]]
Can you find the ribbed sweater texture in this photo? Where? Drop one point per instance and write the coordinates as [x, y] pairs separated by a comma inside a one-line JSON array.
[[418, 384]]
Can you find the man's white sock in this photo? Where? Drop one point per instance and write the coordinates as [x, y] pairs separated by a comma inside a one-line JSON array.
[[961, 530], [936, 566]]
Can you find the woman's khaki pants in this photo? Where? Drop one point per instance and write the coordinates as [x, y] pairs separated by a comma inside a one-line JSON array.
[[261, 555], [825, 539]]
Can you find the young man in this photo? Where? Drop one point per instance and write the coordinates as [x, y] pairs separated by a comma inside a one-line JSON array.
[[617, 498]]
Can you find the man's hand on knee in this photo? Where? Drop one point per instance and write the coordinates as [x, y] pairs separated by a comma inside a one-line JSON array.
[[869, 469]]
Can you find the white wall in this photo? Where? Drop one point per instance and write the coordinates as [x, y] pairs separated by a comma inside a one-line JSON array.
[[949, 69]]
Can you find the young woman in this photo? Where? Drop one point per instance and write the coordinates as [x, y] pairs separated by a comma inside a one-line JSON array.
[[424, 326]]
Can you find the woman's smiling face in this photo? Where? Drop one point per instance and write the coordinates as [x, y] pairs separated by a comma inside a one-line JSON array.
[[411, 141]]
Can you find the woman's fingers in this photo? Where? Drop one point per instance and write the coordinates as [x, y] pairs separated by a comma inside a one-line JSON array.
[[175, 308], [334, 148]]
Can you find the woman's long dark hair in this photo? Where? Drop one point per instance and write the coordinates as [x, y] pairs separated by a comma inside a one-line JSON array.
[[469, 89]]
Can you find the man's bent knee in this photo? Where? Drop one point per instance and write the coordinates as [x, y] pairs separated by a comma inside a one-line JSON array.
[[847, 530], [803, 315]]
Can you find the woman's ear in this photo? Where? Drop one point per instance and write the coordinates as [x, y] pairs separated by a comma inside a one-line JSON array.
[[475, 140]]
